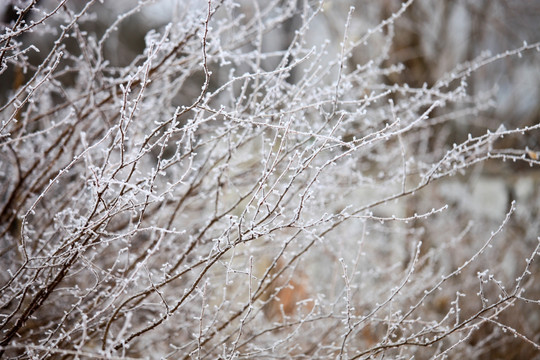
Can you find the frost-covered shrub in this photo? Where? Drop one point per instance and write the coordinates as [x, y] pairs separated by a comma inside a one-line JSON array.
[[264, 179]]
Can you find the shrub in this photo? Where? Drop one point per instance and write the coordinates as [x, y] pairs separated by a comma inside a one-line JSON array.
[[274, 179]]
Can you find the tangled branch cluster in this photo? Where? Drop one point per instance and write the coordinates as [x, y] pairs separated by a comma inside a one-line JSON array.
[[242, 187]]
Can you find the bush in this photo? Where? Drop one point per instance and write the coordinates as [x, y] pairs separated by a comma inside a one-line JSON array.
[[274, 179]]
